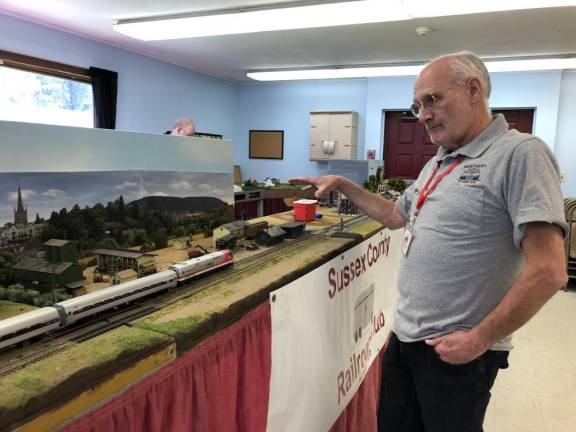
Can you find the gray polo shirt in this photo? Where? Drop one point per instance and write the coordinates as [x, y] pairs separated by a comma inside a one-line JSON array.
[[465, 253]]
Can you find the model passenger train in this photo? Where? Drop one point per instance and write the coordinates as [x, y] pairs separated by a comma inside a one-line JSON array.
[[40, 321]]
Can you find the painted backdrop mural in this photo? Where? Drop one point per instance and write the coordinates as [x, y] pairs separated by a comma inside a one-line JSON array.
[[81, 209]]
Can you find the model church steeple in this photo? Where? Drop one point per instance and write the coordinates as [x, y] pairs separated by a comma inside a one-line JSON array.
[[20, 213]]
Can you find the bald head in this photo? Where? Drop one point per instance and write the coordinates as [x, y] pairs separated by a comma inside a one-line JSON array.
[[183, 127]]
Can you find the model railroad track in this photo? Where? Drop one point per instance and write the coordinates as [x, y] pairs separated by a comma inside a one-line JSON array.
[[357, 220], [245, 267], [256, 262], [68, 337], [122, 319]]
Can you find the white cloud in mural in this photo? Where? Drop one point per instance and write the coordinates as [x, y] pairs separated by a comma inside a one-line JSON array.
[[126, 185], [26, 193], [156, 193], [55, 193], [130, 196], [181, 186], [45, 192]]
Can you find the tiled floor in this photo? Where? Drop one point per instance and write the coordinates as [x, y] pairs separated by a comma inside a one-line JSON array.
[[538, 392]]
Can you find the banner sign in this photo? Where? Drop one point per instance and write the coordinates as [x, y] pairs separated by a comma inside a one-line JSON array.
[[327, 328]]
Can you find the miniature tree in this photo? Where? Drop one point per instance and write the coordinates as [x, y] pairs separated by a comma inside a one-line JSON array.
[[397, 184], [250, 184], [371, 184]]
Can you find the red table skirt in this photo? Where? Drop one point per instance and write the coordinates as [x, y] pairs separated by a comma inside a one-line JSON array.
[[220, 385]]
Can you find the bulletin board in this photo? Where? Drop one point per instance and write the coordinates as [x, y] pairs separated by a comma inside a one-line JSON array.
[[266, 144]]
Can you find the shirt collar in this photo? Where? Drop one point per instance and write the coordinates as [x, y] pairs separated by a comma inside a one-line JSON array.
[[478, 145]]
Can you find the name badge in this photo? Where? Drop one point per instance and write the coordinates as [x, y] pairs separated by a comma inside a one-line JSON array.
[[406, 240]]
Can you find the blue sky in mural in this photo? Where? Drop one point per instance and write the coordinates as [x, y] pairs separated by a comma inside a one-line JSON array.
[[43, 193]]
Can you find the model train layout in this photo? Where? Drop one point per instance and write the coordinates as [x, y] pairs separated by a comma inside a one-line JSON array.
[[34, 323]]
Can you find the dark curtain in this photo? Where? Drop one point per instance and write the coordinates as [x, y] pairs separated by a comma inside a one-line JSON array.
[[105, 90]]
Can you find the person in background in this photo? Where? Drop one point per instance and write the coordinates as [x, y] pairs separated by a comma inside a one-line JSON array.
[[183, 127], [483, 251]]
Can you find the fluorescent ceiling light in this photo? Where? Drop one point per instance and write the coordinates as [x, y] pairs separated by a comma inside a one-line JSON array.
[[524, 65], [340, 73], [254, 21], [438, 8], [531, 65], [280, 17]]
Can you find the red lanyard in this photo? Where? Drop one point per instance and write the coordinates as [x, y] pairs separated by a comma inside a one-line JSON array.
[[423, 196]]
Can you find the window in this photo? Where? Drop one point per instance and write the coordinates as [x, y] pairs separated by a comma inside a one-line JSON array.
[[40, 91]]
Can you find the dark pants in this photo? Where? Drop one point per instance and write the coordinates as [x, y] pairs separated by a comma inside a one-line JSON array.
[[421, 393]]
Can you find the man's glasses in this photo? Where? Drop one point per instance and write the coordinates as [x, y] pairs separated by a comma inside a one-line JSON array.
[[428, 101], [434, 100]]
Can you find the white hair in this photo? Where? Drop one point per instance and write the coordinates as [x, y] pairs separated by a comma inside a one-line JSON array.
[[466, 65]]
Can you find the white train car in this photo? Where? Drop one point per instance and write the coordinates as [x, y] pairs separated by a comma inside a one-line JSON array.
[[34, 323], [89, 304], [196, 266], [28, 325]]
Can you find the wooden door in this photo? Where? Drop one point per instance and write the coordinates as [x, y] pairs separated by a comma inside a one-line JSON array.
[[520, 119], [407, 145]]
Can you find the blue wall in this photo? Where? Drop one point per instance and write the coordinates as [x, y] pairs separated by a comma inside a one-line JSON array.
[[151, 93], [508, 91], [287, 107], [530, 90], [565, 149], [384, 94]]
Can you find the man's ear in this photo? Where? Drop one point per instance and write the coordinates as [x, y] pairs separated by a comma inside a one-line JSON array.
[[475, 89]]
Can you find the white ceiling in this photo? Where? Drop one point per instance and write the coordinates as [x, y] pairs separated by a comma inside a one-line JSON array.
[[504, 34]]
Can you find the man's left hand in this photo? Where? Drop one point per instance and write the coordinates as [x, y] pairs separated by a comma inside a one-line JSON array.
[[459, 347]]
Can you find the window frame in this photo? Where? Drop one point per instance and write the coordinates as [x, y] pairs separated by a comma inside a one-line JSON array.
[[44, 67]]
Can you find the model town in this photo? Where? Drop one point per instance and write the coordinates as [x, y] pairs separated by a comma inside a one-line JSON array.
[[81, 252]]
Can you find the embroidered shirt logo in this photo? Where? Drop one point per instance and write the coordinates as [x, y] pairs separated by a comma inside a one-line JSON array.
[[471, 173]]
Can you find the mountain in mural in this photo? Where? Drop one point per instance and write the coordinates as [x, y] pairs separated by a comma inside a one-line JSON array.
[[179, 205]]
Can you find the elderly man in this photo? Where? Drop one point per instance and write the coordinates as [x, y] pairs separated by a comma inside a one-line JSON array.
[[183, 127], [483, 251]]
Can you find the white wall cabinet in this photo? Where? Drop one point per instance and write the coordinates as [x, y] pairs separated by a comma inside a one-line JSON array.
[[333, 135]]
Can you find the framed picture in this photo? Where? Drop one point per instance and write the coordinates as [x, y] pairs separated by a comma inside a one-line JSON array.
[[266, 144]]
